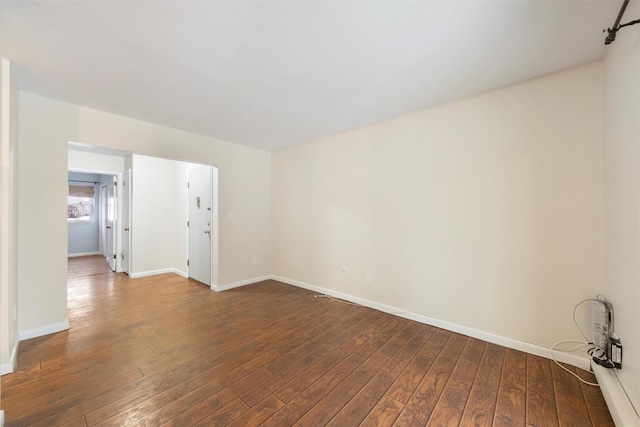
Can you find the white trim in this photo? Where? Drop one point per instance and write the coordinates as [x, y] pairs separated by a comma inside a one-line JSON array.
[[221, 288], [571, 359], [6, 368], [617, 400], [181, 273], [161, 271], [1, 418], [10, 366], [83, 254], [38, 332]]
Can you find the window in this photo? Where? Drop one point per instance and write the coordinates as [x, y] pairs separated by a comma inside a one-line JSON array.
[[80, 203]]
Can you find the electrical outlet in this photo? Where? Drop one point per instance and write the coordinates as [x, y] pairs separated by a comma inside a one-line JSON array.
[[254, 260], [368, 278], [344, 269]]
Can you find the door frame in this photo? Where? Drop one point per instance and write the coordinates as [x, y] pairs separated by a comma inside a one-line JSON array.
[[102, 239], [126, 221], [119, 192], [112, 222]]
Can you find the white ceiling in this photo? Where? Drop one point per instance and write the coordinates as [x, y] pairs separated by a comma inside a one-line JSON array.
[[271, 74]]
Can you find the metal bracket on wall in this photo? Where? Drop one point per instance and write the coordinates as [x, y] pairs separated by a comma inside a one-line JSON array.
[[611, 36]]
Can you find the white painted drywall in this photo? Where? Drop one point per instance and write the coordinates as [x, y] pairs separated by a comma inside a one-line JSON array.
[[154, 235], [46, 127], [42, 229], [622, 196], [8, 226], [95, 162], [485, 213], [3, 286]]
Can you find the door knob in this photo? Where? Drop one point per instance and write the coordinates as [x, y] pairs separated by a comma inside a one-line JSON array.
[[207, 232], [108, 227], [126, 229]]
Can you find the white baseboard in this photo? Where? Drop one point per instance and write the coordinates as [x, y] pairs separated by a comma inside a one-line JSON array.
[[10, 366], [161, 271], [617, 400], [6, 368], [220, 288], [571, 359], [46, 330], [83, 254], [181, 273]]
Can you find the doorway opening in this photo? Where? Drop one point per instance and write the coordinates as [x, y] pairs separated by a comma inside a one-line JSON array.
[[152, 212], [91, 218]]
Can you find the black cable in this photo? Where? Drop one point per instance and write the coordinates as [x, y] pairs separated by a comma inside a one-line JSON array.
[[606, 363], [637, 21], [611, 36]]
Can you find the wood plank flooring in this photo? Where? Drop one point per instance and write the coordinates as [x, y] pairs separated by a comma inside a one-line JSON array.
[[166, 351], [87, 266]]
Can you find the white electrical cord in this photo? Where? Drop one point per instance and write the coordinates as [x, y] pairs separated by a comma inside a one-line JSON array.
[[581, 344]]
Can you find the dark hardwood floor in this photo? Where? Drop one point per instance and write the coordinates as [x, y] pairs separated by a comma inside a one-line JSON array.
[[164, 350]]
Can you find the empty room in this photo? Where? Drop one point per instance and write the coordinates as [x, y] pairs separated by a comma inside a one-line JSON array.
[[313, 213]]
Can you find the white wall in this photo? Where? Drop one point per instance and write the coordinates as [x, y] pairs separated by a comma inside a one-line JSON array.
[[486, 213], [153, 231], [622, 196], [95, 162], [47, 125], [42, 229], [3, 255], [9, 222]]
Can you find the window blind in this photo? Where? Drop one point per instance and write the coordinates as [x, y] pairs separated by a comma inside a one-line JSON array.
[[80, 191]]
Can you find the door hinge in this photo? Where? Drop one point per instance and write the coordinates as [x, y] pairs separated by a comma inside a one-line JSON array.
[[187, 184], [122, 256], [187, 223], [187, 262], [115, 183], [114, 256]]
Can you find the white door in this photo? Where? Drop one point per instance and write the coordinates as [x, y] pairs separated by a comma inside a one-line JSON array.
[[103, 220], [111, 222], [200, 217], [126, 221]]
